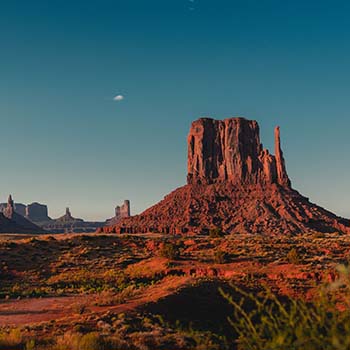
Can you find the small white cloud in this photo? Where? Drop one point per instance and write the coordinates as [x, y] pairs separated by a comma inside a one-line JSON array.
[[118, 98]]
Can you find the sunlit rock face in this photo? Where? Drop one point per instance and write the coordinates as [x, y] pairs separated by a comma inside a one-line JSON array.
[[230, 150], [235, 184]]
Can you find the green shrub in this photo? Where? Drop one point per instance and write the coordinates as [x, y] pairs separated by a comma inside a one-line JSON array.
[[170, 251], [266, 322], [30, 345]]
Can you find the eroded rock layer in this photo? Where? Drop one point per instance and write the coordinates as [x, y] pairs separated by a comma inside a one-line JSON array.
[[230, 150], [235, 184]]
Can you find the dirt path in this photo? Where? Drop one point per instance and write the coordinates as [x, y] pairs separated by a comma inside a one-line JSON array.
[[36, 310]]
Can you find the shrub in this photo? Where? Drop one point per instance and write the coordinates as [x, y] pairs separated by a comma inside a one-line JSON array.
[[216, 232], [92, 341], [266, 322], [220, 257], [293, 257], [170, 251], [30, 345], [11, 339], [77, 341]]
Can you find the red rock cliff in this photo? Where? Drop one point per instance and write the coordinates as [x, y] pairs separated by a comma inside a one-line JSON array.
[[230, 150]]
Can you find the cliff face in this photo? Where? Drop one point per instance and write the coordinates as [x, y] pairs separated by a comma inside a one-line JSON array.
[[37, 212], [230, 150], [235, 184]]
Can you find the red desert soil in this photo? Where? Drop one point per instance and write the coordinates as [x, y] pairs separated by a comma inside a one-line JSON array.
[[36, 310], [57, 283]]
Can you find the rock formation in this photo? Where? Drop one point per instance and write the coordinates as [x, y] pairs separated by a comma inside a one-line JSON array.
[[230, 150], [281, 172], [67, 217], [35, 212], [20, 209], [121, 212], [67, 224], [10, 208], [12, 222], [235, 184]]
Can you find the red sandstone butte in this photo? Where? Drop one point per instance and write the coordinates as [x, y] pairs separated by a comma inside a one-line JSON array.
[[235, 184]]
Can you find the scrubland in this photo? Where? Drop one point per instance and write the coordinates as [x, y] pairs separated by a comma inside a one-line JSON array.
[[87, 292]]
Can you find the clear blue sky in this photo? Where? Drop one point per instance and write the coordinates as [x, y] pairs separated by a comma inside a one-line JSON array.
[[65, 142]]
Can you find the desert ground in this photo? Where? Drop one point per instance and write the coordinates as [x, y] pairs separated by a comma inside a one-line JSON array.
[[151, 291]]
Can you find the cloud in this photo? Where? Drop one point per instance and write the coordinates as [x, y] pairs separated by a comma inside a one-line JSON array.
[[118, 98]]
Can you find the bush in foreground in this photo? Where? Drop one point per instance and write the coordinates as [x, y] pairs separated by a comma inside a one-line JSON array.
[[264, 322]]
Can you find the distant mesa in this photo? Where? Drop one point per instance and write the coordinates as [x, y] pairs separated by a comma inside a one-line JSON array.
[[13, 222], [34, 212], [235, 184], [34, 218], [37, 212], [67, 217], [121, 212], [68, 224]]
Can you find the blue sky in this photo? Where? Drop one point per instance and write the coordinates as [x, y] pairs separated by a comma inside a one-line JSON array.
[[65, 142]]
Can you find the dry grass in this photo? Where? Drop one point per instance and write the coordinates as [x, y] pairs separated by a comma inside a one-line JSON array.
[[113, 270], [11, 339]]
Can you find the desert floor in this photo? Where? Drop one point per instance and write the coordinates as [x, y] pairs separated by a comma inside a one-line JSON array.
[[51, 284]]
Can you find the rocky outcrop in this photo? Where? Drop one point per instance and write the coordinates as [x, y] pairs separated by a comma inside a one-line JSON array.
[[67, 224], [35, 212], [230, 150], [12, 222], [121, 212], [67, 217], [235, 184], [281, 172]]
